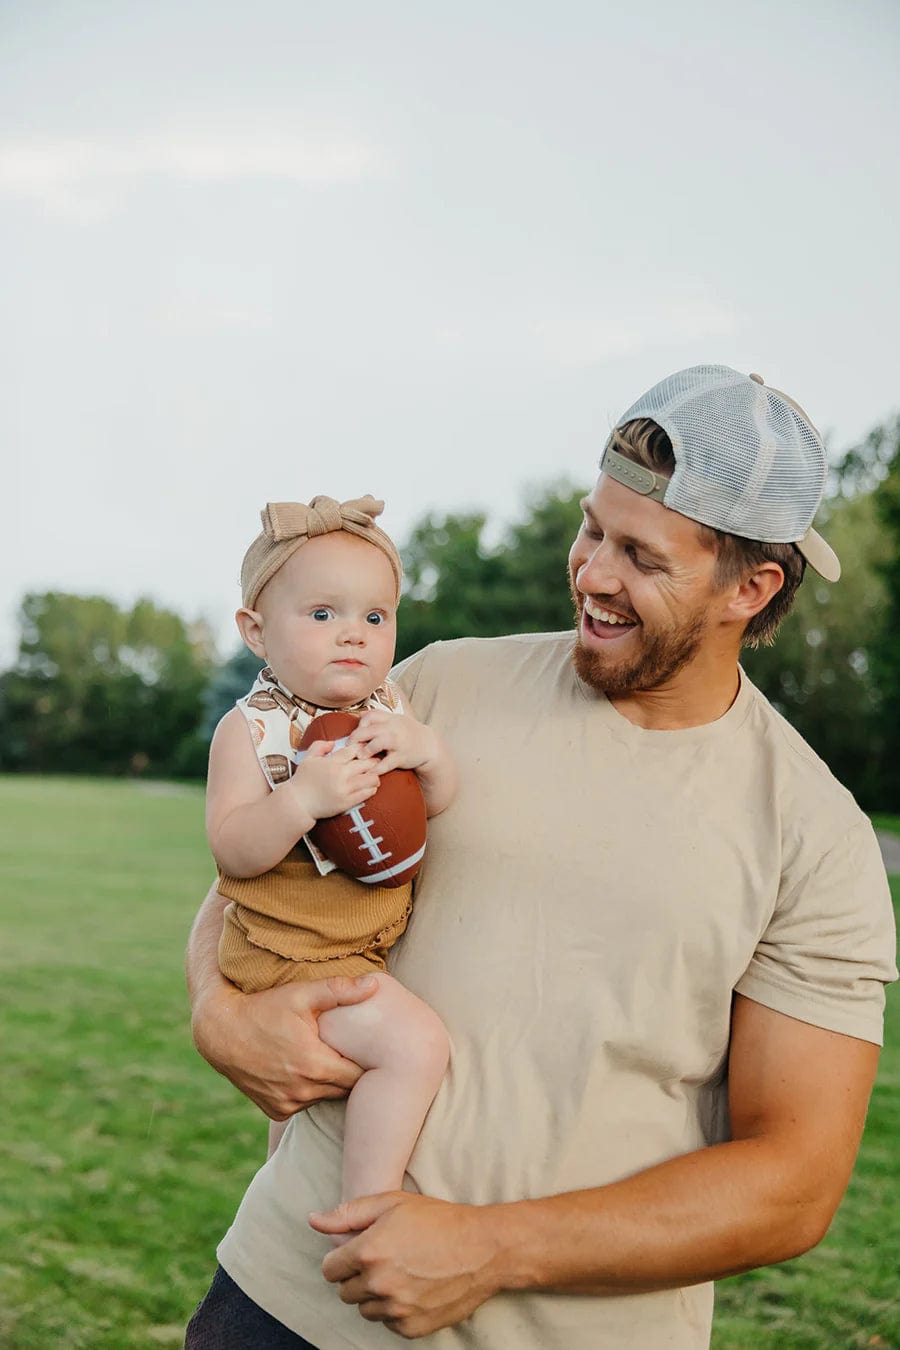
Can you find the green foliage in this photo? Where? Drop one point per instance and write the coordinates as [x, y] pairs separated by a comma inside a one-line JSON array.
[[886, 646], [819, 672], [229, 683], [97, 688], [459, 585], [835, 668]]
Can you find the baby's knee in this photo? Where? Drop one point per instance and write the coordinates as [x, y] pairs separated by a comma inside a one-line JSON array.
[[428, 1044]]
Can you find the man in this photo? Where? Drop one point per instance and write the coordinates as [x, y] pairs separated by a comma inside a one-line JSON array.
[[656, 927]]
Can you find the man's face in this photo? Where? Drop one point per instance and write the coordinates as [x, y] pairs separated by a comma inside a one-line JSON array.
[[642, 583]]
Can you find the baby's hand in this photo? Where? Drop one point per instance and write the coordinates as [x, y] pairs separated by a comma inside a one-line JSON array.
[[404, 742], [327, 784]]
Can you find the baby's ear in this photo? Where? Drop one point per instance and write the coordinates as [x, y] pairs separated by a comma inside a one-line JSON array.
[[250, 627]]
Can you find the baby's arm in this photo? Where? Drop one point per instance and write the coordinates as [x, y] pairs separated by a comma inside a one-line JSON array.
[[408, 744], [250, 827]]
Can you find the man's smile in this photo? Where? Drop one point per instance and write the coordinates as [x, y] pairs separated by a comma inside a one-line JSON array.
[[600, 621]]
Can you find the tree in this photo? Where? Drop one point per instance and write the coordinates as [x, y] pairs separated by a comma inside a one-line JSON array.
[[101, 689], [883, 445], [819, 673], [229, 683], [458, 585]]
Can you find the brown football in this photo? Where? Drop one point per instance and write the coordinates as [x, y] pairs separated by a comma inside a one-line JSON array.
[[382, 841]]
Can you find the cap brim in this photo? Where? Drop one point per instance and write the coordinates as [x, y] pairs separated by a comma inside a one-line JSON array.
[[820, 555]]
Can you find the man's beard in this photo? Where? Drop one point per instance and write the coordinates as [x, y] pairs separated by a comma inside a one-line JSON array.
[[662, 656]]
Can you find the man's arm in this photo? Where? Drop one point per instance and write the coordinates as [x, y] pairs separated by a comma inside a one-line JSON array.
[[268, 1043], [798, 1097]]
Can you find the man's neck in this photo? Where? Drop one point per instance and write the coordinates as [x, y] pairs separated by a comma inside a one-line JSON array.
[[699, 694]]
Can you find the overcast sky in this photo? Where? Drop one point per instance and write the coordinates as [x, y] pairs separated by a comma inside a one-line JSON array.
[[423, 250]]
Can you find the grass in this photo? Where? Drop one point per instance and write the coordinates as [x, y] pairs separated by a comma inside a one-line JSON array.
[[123, 1156], [890, 824]]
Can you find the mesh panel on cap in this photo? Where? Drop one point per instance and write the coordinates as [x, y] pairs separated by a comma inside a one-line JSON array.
[[746, 461]]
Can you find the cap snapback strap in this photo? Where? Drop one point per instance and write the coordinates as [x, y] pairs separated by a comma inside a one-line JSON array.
[[634, 476]]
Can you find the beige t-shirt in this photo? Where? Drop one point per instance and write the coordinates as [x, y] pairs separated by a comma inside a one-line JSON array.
[[587, 906]]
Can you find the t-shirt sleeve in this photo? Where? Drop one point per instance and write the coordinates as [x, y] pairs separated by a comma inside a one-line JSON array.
[[406, 674], [829, 948]]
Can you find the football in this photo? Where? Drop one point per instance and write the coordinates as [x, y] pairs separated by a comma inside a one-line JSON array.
[[381, 842]]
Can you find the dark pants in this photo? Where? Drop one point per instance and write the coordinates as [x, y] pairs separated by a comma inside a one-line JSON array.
[[228, 1320]]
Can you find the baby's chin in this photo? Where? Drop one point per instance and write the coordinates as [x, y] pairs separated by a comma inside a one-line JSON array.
[[342, 692]]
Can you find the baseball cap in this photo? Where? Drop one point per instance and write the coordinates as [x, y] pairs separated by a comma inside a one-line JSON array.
[[748, 460]]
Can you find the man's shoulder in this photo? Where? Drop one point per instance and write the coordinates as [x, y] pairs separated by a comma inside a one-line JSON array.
[[453, 652], [514, 657], [803, 775]]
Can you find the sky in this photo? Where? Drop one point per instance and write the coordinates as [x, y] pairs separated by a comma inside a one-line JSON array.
[[424, 250]]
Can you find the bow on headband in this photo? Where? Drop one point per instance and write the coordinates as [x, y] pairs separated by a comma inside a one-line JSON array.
[[289, 525], [289, 520]]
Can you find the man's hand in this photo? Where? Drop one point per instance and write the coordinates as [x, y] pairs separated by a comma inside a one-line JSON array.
[[268, 1043], [420, 1264]]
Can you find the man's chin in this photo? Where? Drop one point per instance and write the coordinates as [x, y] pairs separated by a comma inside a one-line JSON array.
[[602, 675], [661, 659]]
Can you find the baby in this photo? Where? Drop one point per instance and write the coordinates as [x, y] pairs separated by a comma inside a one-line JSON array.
[[320, 587]]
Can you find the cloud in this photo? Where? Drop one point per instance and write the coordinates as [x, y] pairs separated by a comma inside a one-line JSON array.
[[85, 178]]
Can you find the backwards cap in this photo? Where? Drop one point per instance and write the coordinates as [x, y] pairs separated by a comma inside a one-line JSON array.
[[747, 459], [287, 526]]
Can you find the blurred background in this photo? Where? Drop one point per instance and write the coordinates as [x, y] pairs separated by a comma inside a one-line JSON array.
[[427, 251]]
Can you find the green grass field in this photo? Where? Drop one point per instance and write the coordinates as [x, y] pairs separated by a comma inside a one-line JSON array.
[[123, 1157]]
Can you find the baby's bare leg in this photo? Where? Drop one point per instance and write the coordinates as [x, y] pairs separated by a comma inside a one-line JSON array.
[[403, 1046]]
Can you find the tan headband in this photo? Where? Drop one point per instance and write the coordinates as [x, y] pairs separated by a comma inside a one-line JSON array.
[[289, 525]]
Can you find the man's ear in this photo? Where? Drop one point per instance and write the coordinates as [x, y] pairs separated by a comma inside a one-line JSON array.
[[250, 627], [755, 591]]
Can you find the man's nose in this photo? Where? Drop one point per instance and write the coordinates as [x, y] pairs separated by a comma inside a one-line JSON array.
[[598, 574]]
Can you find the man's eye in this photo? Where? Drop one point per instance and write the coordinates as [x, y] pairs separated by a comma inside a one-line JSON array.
[[321, 615], [375, 618]]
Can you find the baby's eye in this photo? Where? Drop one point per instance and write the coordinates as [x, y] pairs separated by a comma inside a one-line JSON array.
[[321, 615], [374, 617]]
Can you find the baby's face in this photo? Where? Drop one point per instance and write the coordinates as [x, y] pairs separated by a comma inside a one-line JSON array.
[[329, 620]]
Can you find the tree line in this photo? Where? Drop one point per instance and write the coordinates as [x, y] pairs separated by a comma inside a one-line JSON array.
[[104, 689]]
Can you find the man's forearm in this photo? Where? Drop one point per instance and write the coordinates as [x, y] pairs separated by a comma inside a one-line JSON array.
[[201, 962], [699, 1217]]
